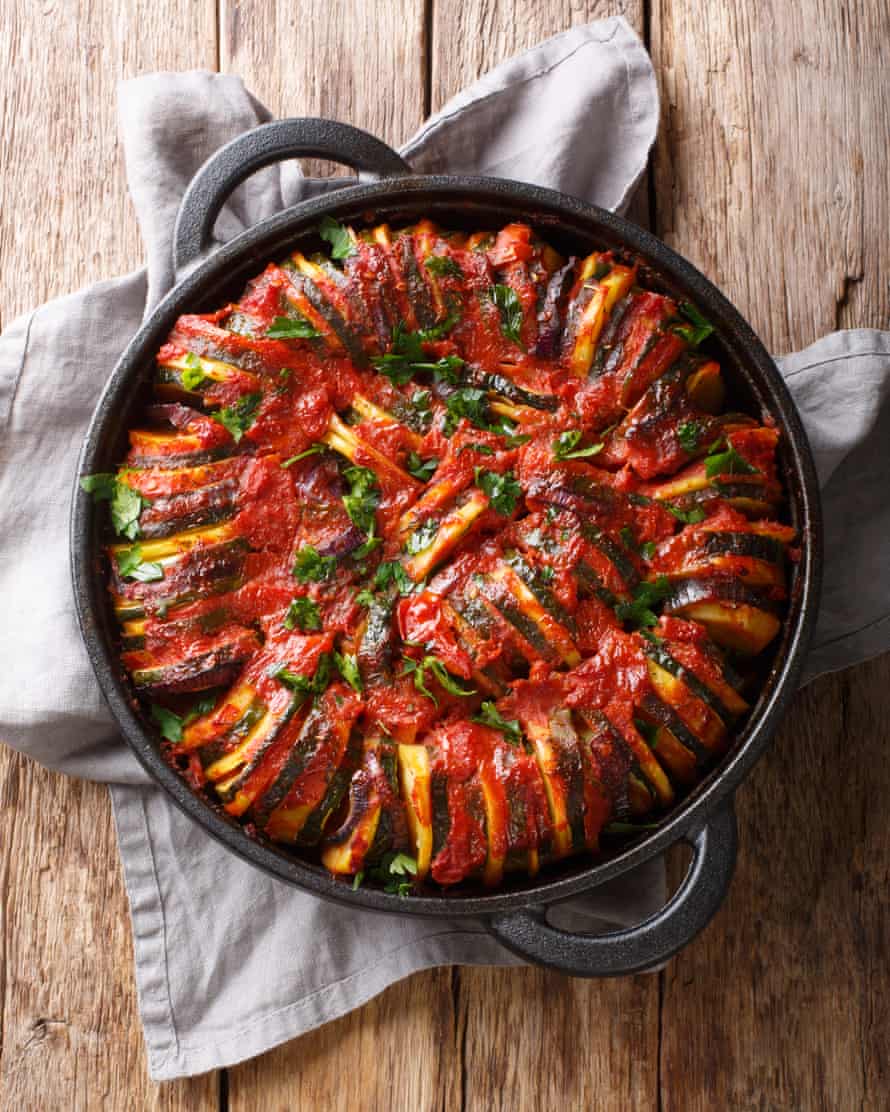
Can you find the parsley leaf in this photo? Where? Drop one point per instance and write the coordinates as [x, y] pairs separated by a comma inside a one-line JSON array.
[[510, 308], [170, 723], [393, 872], [423, 412], [697, 330], [489, 715], [239, 417], [418, 670], [482, 449], [130, 565], [422, 469], [689, 434], [565, 446], [337, 236], [193, 373], [688, 517], [503, 490], [300, 684], [310, 567], [292, 328], [638, 611], [362, 498], [348, 668], [312, 450], [304, 614], [647, 549], [391, 572], [407, 357], [422, 537], [443, 266], [728, 463], [126, 504], [469, 402]]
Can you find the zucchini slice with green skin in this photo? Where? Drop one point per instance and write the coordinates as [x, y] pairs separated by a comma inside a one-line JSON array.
[[658, 651], [592, 300], [376, 651], [453, 527], [522, 608], [660, 714], [559, 758], [150, 448], [758, 545], [531, 577], [305, 286], [614, 552], [303, 779], [418, 291], [607, 763], [734, 616], [212, 751], [695, 713], [532, 642], [199, 672], [650, 778], [314, 828], [189, 509], [415, 782]]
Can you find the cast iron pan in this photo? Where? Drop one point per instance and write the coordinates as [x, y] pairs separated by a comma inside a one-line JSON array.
[[388, 190]]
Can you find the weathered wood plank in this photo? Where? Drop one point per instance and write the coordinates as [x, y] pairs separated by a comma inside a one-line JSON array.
[[771, 175], [69, 1030]]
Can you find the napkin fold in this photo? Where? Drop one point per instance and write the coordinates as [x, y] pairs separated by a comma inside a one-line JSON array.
[[230, 962]]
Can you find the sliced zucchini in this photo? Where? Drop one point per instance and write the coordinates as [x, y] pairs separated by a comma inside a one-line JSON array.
[[415, 781]]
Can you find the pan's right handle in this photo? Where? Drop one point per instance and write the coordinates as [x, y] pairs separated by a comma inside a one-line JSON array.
[[643, 947], [275, 142]]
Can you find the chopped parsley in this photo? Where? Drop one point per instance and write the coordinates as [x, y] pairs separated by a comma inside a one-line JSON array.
[[510, 308], [347, 665], [193, 373], [130, 565], [566, 446], [418, 669], [689, 434], [312, 450], [292, 328], [406, 357], [303, 614], [363, 497], [391, 573], [443, 266], [503, 490], [239, 417], [126, 504], [393, 872], [489, 715], [422, 469], [172, 724], [638, 610], [728, 463], [422, 537], [421, 404], [337, 236], [311, 567], [300, 684], [695, 328], [688, 517]]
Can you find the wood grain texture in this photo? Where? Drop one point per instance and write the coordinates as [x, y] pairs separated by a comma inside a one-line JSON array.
[[69, 1029], [771, 175]]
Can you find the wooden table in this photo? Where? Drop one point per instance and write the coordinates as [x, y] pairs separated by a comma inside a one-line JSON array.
[[771, 175]]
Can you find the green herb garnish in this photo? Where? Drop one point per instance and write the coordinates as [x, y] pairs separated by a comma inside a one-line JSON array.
[[638, 611], [303, 614], [689, 434], [565, 446], [443, 266], [193, 373], [239, 417], [292, 328], [503, 490], [126, 503], [130, 566], [348, 668], [337, 236], [728, 463], [312, 450], [688, 517], [310, 567], [510, 308], [489, 715], [422, 469], [698, 328], [363, 497], [418, 670], [391, 573], [422, 537]]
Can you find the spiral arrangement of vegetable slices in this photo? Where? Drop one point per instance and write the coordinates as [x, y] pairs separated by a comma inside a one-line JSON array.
[[439, 556]]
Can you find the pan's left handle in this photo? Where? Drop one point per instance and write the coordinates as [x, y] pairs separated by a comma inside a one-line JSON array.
[[275, 142]]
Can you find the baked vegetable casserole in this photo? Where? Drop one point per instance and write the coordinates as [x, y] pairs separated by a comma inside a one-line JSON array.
[[441, 556]]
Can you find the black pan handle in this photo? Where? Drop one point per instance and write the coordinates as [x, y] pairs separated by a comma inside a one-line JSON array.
[[274, 142], [634, 949]]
